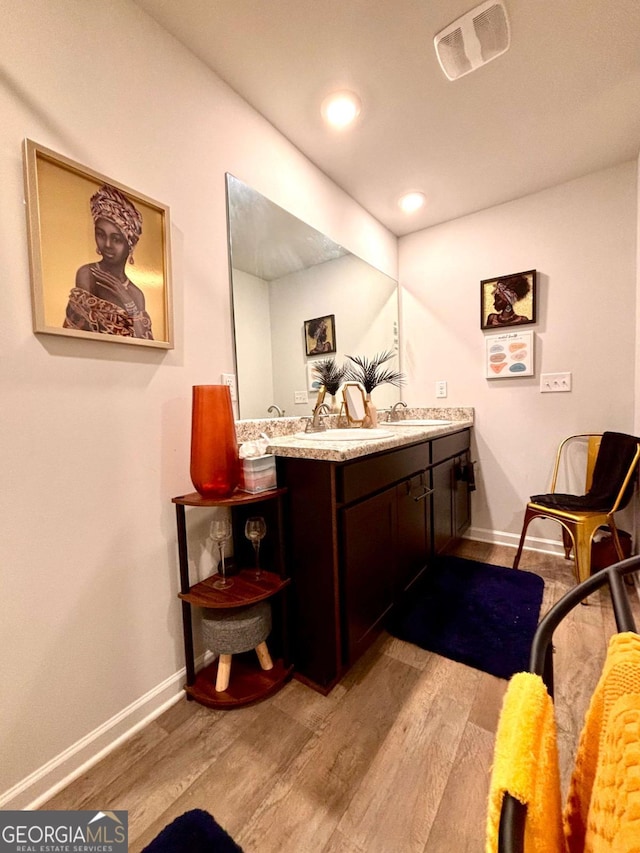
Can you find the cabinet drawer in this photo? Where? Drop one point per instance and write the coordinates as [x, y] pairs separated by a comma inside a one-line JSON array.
[[364, 477], [449, 445]]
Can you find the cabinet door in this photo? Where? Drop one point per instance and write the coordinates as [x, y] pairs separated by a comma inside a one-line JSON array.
[[443, 484], [414, 527], [462, 498], [369, 540], [451, 501]]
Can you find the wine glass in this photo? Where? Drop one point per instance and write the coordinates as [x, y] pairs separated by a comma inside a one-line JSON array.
[[255, 530], [220, 533]]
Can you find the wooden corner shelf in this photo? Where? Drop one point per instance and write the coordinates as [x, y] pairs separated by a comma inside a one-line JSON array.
[[235, 499], [245, 590], [248, 683]]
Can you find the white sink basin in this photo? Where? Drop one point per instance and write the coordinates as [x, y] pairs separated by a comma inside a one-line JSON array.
[[418, 422], [355, 434]]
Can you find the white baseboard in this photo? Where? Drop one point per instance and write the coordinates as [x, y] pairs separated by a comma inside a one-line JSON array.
[[511, 540], [57, 773]]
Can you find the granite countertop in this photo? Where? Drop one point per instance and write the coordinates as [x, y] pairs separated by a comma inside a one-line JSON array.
[[284, 442]]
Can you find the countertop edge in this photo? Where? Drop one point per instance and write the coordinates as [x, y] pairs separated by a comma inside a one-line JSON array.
[[336, 451]]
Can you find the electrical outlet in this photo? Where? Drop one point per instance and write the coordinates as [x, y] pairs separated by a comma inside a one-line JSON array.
[[300, 397], [552, 382], [230, 380], [441, 388]]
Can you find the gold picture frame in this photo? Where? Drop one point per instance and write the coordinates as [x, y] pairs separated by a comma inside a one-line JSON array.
[[75, 216]]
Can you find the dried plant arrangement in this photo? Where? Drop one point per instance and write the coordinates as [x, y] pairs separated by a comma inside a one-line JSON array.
[[369, 374], [330, 374]]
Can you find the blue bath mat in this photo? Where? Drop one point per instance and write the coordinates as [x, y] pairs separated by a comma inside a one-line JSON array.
[[481, 615]]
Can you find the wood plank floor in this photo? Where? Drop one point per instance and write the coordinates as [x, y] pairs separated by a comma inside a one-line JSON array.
[[395, 760]]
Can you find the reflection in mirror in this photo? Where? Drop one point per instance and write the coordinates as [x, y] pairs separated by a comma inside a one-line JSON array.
[[283, 274]]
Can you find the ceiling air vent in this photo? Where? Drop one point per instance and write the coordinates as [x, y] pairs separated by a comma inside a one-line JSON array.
[[473, 40]]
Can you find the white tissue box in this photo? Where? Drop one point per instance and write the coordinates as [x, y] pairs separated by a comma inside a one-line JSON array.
[[258, 473]]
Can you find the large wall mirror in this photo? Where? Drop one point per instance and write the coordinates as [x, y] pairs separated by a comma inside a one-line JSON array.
[[283, 274]]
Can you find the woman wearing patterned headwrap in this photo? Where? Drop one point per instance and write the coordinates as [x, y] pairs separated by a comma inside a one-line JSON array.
[[104, 299], [317, 331], [506, 292]]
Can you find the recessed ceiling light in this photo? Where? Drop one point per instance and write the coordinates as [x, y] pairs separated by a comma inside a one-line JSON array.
[[341, 109], [410, 202]]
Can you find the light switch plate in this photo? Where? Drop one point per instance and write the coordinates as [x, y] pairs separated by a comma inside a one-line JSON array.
[[300, 397], [551, 383]]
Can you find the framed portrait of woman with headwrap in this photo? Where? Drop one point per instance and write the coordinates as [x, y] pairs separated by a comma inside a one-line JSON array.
[[320, 335], [99, 254], [509, 300]]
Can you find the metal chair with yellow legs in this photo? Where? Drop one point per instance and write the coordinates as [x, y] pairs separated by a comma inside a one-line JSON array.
[[612, 460]]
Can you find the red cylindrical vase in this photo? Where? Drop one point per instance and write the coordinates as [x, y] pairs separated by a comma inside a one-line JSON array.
[[215, 465]]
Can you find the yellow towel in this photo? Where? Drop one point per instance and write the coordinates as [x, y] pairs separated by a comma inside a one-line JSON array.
[[526, 765], [602, 814]]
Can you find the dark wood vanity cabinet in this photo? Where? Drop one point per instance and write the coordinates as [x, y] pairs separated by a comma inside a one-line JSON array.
[[360, 535]]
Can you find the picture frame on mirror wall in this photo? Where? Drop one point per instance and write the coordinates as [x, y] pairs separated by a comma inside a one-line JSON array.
[[508, 300], [320, 335], [314, 383], [99, 254]]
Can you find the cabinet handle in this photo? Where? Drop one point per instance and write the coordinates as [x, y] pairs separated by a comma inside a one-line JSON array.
[[425, 494]]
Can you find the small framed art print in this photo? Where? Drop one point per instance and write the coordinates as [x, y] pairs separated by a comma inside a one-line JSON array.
[[509, 355]]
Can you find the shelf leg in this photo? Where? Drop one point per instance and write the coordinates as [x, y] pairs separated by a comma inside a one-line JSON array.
[[183, 560], [188, 643]]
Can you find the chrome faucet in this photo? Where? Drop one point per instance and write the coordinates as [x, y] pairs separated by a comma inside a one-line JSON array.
[[279, 412], [394, 410], [315, 423]]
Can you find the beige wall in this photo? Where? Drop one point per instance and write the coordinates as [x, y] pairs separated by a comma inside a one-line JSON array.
[[581, 238], [96, 436]]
